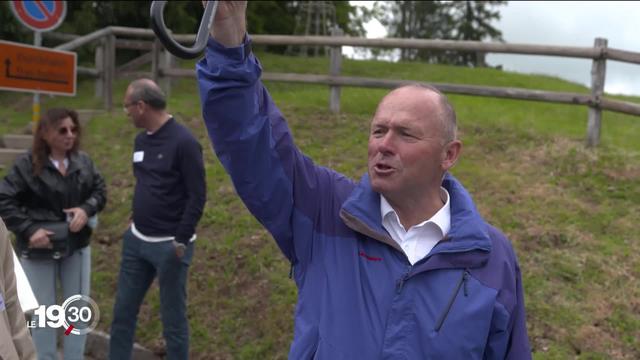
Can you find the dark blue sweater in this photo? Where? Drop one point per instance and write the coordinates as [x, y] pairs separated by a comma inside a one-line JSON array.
[[170, 187]]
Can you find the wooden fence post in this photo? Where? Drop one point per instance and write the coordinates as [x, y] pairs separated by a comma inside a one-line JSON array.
[[99, 59], [598, 71], [334, 70], [109, 70], [155, 60], [166, 61], [481, 57]]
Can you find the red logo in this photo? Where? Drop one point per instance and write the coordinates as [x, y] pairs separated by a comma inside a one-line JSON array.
[[370, 258]]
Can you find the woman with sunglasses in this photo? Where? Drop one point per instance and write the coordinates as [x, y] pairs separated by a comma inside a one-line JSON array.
[[49, 200]]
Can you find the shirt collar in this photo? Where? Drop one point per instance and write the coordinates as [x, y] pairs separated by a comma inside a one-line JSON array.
[[56, 162], [151, 133], [442, 218]]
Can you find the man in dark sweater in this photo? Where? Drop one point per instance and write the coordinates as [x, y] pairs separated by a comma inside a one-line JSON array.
[[168, 201]]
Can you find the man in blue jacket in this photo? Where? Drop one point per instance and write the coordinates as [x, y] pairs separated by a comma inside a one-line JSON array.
[[399, 265]]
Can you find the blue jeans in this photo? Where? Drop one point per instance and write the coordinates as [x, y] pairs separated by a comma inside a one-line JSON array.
[[74, 274], [141, 262]]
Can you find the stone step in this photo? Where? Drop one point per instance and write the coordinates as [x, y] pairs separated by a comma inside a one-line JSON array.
[[97, 347], [20, 142]]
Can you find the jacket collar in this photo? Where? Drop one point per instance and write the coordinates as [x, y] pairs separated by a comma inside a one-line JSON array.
[[468, 233], [74, 164]]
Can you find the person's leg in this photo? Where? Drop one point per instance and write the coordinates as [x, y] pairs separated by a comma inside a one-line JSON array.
[[172, 279], [42, 278], [75, 275], [136, 275]]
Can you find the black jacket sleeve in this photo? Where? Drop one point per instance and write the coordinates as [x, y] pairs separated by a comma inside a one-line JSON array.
[[193, 173], [12, 187], [98, 198]]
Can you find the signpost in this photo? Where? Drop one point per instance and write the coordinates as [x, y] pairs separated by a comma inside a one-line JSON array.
[[39, 16]]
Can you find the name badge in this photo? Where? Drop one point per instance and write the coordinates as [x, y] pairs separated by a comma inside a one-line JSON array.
[[138, 156]]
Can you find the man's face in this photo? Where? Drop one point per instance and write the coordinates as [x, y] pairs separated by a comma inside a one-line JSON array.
[[132, 109], [406, 147]]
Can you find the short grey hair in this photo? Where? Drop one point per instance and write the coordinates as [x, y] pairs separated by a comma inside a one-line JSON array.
[[148, 91], [447, 114]]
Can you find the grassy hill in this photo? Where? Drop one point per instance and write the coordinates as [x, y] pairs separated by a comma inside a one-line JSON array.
[[570, 212]]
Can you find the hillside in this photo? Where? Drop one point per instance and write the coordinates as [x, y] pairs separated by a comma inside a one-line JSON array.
[[568, 211]]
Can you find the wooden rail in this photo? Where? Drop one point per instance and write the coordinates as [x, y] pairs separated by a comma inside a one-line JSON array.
[[460, 89], [163, 70]]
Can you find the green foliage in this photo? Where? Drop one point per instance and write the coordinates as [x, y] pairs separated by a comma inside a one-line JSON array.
[[304, 17], [455, 20], [281, 19], [416, 19], [472, 21], [263, 17], [351, 18], [11, 29], [84, 17]]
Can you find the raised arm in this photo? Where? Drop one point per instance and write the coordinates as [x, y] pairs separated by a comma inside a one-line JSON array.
[[281, 187], [230, 25]]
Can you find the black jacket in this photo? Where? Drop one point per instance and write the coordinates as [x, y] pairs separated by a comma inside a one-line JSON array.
[[26, 199]]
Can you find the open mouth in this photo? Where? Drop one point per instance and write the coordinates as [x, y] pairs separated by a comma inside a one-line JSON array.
[[383, 169]]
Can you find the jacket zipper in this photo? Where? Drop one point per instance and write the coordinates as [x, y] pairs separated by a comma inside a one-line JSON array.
[[401, 281], [462, 283]]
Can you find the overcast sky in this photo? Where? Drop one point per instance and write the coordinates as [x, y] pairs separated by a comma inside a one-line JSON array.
[[566, 23]]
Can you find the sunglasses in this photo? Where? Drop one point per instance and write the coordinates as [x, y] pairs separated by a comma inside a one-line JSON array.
[[66, 130]]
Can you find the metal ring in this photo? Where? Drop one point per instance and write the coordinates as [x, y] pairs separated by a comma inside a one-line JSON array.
[[161, 31]]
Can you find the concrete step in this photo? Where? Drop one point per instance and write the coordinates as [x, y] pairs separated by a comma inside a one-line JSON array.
[[7, 156], [20, 142], [97, 347]]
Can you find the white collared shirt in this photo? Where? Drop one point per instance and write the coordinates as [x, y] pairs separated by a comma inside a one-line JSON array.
[[56, 163], [418, 241]]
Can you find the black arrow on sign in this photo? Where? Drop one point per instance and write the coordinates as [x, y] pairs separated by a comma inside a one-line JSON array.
[[7, 63]]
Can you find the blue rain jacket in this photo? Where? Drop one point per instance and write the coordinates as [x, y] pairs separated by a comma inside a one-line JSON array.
[[358, 295]]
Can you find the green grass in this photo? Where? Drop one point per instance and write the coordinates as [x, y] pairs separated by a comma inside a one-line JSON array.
[[570, 212]]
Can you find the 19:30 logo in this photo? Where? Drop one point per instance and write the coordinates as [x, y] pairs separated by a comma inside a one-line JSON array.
[[78, 315]]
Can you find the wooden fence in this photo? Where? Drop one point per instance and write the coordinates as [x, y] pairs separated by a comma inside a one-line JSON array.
[[162, 66]]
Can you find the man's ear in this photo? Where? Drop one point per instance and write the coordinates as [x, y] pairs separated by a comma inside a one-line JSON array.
[[450, 154]]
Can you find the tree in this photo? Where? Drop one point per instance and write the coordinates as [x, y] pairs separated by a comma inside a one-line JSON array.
[[84, 17], [462, 20], [264, 17], [473, 22], [416, 19], [11, 29]]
